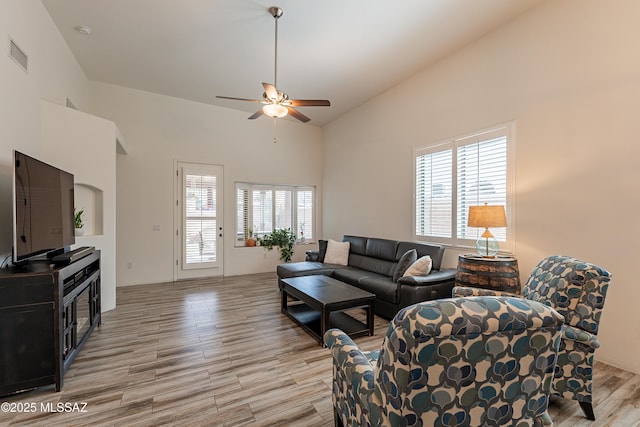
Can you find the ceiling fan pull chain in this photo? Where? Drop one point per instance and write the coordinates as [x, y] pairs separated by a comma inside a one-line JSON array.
[[275, 129]]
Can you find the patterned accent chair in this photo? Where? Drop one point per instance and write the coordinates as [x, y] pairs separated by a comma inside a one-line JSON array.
[[577, 290], [452, 362]]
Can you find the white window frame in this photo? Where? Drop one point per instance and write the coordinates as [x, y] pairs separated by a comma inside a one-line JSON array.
[[241, 230], [507, 238]]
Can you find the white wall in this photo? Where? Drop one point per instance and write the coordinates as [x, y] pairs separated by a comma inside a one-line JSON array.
[[568, 73], [161, 130], [44, 129], [86, 146], [53, 74]]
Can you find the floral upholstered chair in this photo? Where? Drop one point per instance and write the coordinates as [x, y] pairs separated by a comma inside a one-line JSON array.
[[577, 290], [452, 362]]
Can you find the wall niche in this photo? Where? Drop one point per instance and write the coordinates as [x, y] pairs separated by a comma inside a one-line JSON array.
[[89, 198]]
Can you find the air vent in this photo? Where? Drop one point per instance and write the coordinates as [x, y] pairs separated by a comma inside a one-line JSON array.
[[18, 55]]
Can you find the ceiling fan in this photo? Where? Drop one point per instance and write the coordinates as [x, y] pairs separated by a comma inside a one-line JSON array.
[[277, 103]]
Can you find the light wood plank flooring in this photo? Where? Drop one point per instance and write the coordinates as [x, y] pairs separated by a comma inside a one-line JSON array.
[[218, 352]]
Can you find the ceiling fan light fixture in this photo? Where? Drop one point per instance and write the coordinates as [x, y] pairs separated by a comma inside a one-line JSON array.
[[275, 110]]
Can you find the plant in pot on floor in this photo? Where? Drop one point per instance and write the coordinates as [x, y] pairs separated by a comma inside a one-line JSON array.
[[77, 221], [282, 238]]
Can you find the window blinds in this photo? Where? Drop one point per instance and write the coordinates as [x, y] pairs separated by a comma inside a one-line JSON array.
[[456, 174]]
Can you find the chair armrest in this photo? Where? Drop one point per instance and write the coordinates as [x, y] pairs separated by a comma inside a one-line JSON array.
[[436, 276], [353, 377], [578, 335], [346, 354], [465, 291]]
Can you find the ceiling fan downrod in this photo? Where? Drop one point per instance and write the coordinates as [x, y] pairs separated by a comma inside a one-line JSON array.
[[276, 12]]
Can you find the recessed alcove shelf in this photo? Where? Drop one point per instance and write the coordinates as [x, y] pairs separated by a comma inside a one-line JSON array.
[[90, 199]]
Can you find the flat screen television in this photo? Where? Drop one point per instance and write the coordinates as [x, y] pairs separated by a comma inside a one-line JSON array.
[[42, 209]]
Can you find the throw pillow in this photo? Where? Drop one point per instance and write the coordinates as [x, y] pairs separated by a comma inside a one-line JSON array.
[[337, 252], [404, 263], [421, 267]]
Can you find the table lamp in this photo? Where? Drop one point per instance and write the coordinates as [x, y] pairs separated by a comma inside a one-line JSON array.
[[487, 216]]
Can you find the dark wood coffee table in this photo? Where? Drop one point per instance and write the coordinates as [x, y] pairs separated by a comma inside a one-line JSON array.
[[319, 303]]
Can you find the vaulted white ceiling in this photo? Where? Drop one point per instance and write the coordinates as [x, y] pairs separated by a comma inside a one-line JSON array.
[[346, 51]]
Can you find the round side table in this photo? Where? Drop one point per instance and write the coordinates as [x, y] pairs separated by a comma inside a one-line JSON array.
[[498, 274]]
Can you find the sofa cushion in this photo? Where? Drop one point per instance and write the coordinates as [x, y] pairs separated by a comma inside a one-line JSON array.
[[337, 253], [382, 286], [421, 267], [322, 250], [351, 275], [304, 268], [382, 249], [375, 265], [358, 244], [405, 262]]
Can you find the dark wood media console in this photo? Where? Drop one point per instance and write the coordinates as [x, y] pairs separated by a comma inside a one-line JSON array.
[[47, 312]]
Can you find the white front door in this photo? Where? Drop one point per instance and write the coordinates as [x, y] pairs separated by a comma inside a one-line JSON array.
[[199, 233]]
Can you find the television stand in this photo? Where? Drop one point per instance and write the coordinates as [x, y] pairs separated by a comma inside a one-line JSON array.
[[73, 256], [47, 313]]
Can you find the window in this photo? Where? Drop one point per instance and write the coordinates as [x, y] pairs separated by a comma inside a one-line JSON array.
[[199, 218], [462, 172], [264, 208]]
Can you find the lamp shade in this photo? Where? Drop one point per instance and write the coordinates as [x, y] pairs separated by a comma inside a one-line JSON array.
[[487, 216], [275, 110]]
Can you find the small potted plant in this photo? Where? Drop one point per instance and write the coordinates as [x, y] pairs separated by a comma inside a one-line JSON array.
[[77, 221], [251, 242], [283, 239]]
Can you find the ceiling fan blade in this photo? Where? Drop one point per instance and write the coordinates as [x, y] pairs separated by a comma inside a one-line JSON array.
[[309, 102], [256, 114], [298, 115], [239, 99], [270, 90]]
